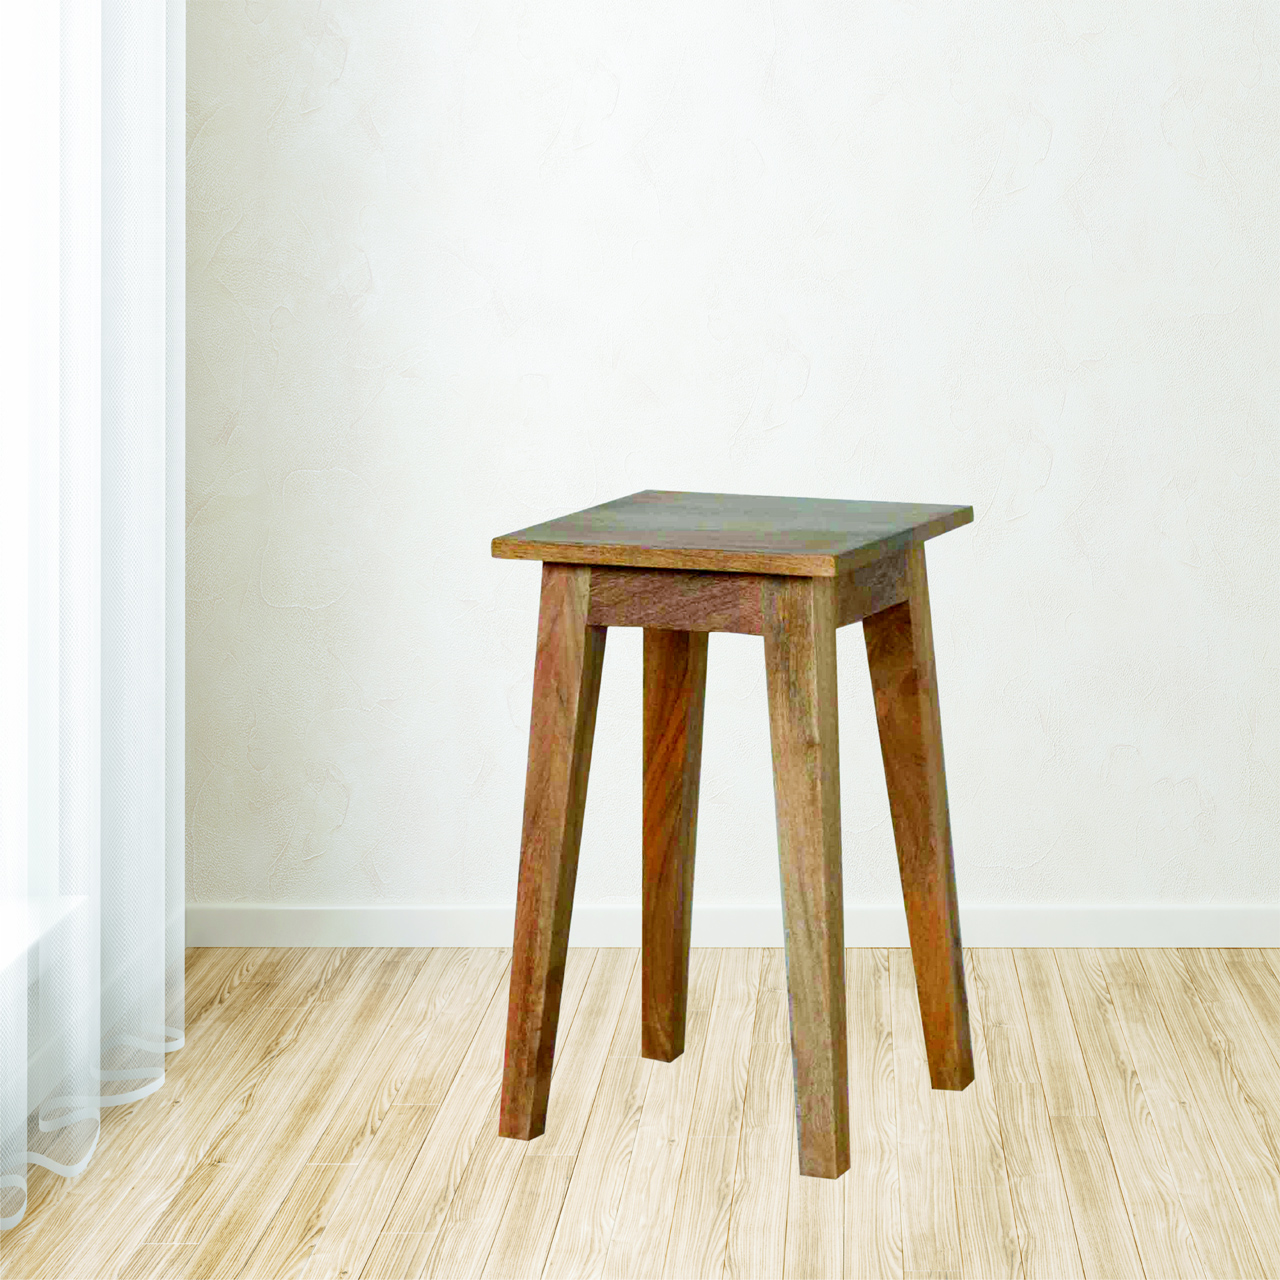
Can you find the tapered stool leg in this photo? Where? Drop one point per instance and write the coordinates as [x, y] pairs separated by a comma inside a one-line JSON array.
[[900, 654], [566, 688], [675, 684], [799, 616]]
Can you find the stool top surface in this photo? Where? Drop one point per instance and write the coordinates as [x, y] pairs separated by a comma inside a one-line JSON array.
[[732, 533]]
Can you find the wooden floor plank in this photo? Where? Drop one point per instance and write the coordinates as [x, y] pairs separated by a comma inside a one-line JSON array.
[[415, 1061], [1205, 1190], [167, 1202], [362, 1195], [1103, 1230], [213, 975], [321, 976], [316, 1178], [757, 1239], [872, 1205], [1063, 1074], [814, 1225], [1041, 1212], [593, 1200], [700, 1224], [1011, 1052], [363, 1202], [638, 1245], [143, 1156], [472, 1230], [930, 1232], [437, 1018], [217, 976], [1220, 1065], [291, 1111], [1259, 987], [284, 999], [252, 976], [463, 1145], [377, 1084], [532, 1210], [1161, 1230], [984, 1210], [1244, 998], [157, 1262]]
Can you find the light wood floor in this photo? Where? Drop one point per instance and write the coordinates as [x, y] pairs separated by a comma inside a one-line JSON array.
[[334, 1114]]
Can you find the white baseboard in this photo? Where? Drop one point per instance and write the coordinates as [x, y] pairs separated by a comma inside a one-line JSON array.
[[264, 924]]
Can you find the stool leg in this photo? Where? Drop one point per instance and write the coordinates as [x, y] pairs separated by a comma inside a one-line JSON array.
[[800, 656], [675, 684], [566, 688], [900, 654]]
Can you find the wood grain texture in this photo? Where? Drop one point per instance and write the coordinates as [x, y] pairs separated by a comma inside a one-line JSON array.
[[1065, 1078], [1104, 1231], [178, 1184], [758, 1216], [358, 1198], [1272, 957], [984, 1211], [503, 1215], [699, 1233], [679, 1190], [214, 974], [675, 600], [815, 1226], [566, 690], [1205, 1189], [592, 1205], [930, 1227], [1161, 1231], [642, 1228], [871, 588], [366, 1095], [1041, 1208], [800, 663], [675, 686], [736, 533], [900, 654], [1041, 1211], [463, 1162], [873, 1204], [1258, 983], [426, 1036], [1236, 1090], [290, 1112], [681, 600], [147, 1153], [1245, 1003], [158, 1262], [533, 1206]]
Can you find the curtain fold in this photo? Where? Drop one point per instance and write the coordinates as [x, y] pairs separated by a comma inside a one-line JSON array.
[[91, 671]]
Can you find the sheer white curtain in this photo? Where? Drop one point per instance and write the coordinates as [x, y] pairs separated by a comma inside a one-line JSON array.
[[91, 556]]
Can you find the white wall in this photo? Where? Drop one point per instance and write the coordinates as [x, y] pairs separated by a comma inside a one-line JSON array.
[[455, 268]]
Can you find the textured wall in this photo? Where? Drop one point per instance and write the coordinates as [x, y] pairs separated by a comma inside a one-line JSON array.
[[455, 268]]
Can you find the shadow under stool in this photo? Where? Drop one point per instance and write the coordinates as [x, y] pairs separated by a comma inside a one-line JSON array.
[[682, 565]]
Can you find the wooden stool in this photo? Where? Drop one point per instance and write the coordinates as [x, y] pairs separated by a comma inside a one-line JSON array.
[[681, 565]]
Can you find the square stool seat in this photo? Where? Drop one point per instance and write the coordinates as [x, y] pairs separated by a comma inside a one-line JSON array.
[[792, 570], [732, 533]]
